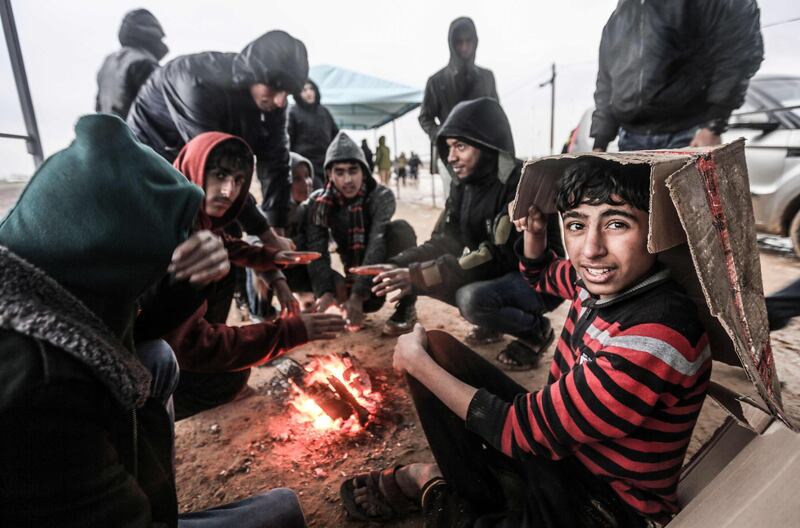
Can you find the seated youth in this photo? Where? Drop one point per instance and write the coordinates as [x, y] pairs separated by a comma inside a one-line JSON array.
[[85, 439], [469, 261], [356, 212], [214, 358], [603, 442]]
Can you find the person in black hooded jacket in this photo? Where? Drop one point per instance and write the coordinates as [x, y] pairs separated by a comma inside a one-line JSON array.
[[460, 80], [125, 71], [311, 129], [469, 262], [671, 73], [243, 94]]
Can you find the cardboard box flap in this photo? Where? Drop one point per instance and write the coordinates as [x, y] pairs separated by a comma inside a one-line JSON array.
[[712, 200], [695, 194]]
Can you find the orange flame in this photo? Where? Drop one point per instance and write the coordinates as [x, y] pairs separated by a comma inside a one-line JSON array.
[[354, 380]]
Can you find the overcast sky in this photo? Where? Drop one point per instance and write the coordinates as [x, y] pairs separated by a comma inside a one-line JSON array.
[[64, 43]]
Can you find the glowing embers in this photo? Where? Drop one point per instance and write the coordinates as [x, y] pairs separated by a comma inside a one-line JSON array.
[[334, 395]]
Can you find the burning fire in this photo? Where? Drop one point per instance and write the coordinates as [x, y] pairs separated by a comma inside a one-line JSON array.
[[336, 395]]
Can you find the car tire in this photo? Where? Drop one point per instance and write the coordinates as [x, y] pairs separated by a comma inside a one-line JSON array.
[[794, 233]]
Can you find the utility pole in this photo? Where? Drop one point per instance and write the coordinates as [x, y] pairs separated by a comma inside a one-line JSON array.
[[552, 82], [32, 140]]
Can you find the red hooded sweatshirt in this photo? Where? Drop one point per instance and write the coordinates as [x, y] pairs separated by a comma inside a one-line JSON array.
[[205, 347]]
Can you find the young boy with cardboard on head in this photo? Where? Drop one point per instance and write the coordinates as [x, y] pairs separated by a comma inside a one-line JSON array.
[[603, 442]]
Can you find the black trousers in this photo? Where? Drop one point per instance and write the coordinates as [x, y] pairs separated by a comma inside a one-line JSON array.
[[486, 488]]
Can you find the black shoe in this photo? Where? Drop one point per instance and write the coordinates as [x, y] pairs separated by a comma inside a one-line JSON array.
[[402, 320], [524, 354]]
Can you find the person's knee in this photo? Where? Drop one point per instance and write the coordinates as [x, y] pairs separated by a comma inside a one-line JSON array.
[[443, 348], [159, 359], [470, 302], [284, 508], [399, 237]]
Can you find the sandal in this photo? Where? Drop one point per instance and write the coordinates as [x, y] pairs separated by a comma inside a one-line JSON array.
[[384, 493], [521, 355]]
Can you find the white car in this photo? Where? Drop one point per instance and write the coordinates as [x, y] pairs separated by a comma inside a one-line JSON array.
[[769, 120]]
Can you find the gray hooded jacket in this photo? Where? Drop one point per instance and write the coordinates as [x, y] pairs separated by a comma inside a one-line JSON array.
[[379, 207]]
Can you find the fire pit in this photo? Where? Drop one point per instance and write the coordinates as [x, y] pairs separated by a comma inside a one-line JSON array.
[[332, 393]]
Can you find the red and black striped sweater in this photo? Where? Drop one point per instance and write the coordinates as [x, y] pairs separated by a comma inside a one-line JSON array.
[[626, 385]]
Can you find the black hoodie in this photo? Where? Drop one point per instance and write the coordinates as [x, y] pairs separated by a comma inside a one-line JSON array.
[[125, 71], [311, 129], [460, 80], [476, 213], [209, 91]]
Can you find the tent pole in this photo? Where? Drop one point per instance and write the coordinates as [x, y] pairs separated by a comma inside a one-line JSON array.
[[394, 140]]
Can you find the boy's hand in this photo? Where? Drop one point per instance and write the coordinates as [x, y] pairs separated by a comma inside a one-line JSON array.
[[289, 304], [354, 311], [273, 237], [201, 259], [411, 350], [534, 227], [398, 280], [326, 301], [322, 325]]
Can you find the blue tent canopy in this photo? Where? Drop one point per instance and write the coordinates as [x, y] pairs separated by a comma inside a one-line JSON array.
[[359, 101]]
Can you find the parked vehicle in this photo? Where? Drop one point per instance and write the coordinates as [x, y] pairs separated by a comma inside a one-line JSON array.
[[769, 120]]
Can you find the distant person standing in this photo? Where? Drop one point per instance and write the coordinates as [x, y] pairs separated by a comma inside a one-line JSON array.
[[401, 163], [383, 159], [311, 129], [671, 73], [413, 166], [127, 69], [368, 155], [460, 80]]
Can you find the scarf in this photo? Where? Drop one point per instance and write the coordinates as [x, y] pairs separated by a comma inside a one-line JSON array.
[[332, 198]]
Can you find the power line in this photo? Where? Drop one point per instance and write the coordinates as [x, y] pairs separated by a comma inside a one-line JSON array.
[[780, 22]]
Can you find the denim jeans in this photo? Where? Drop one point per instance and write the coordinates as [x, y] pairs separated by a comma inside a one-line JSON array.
[[629, 140], [507, 304], [278, 508]]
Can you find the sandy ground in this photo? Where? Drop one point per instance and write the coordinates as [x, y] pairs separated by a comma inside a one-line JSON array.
[[257, 443]]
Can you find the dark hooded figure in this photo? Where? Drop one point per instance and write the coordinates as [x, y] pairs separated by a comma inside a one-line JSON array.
[[311, 129], [356, 212], [86, 439], [469, 262], [125, 71], [243, 94], [460, 80]]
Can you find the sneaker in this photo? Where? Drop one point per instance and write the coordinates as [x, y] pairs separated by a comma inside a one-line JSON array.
[[524, 354], [402, 320], [480, 335]]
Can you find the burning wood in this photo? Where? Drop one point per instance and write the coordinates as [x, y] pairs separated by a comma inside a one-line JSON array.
[[333, 394]]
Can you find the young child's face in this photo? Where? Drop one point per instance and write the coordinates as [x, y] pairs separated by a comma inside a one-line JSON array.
[[607, 245]]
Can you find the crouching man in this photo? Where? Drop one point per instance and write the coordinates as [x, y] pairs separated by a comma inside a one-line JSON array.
[[356, 212], [469, 261], [215, 359], [86, 439], [603, 442]]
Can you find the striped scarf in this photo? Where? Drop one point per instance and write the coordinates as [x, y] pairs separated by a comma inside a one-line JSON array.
[[332, 198]]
